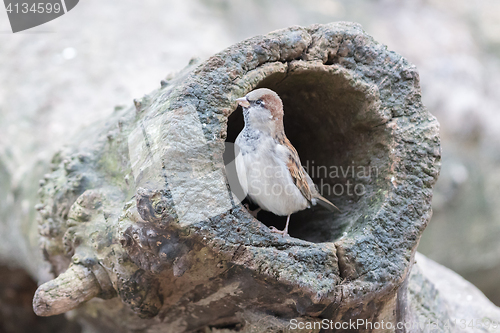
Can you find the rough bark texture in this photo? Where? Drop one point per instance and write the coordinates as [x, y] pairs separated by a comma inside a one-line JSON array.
[[142, 201]]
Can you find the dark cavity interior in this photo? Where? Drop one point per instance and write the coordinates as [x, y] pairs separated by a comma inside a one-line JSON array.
[[346, 157]]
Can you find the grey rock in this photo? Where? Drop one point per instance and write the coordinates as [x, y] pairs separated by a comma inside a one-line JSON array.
[[442, 301]]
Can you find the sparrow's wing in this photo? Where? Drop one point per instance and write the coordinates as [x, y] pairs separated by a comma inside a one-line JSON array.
[[296, 170], [321, 200], [302, 180]]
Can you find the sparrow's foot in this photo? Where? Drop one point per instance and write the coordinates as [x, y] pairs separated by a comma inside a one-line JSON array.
[[253, 212], [283, 232]]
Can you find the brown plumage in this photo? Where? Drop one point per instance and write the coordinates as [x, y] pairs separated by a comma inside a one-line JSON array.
[[302, 180], [296, 170]]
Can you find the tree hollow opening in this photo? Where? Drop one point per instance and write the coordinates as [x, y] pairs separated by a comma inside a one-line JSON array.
[[336, 126]]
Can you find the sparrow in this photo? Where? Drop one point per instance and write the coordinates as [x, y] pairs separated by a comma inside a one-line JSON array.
[[267, 165]]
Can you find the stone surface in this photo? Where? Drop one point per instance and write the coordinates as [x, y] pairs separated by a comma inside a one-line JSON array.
[[142, 200], [442, 301]]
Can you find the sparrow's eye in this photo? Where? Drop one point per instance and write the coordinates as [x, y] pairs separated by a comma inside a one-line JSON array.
[[259, 102]]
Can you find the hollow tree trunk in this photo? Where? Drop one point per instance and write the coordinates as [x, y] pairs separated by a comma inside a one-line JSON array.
[[139, 225]]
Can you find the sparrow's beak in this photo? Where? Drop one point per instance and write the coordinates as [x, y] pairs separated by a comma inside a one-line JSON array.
[[243, 102]]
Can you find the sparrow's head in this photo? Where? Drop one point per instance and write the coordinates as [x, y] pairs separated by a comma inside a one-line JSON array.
[[263, 110]]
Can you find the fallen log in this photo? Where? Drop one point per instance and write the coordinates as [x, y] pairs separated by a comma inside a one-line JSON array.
[[141, 210]]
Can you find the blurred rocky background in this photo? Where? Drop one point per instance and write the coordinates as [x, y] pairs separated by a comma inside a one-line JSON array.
[[73, 71]]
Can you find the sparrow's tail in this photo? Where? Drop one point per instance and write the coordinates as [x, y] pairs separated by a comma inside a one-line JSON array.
[[326, 204]]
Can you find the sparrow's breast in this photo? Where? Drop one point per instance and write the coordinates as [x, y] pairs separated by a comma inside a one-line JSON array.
[[264, 175]]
